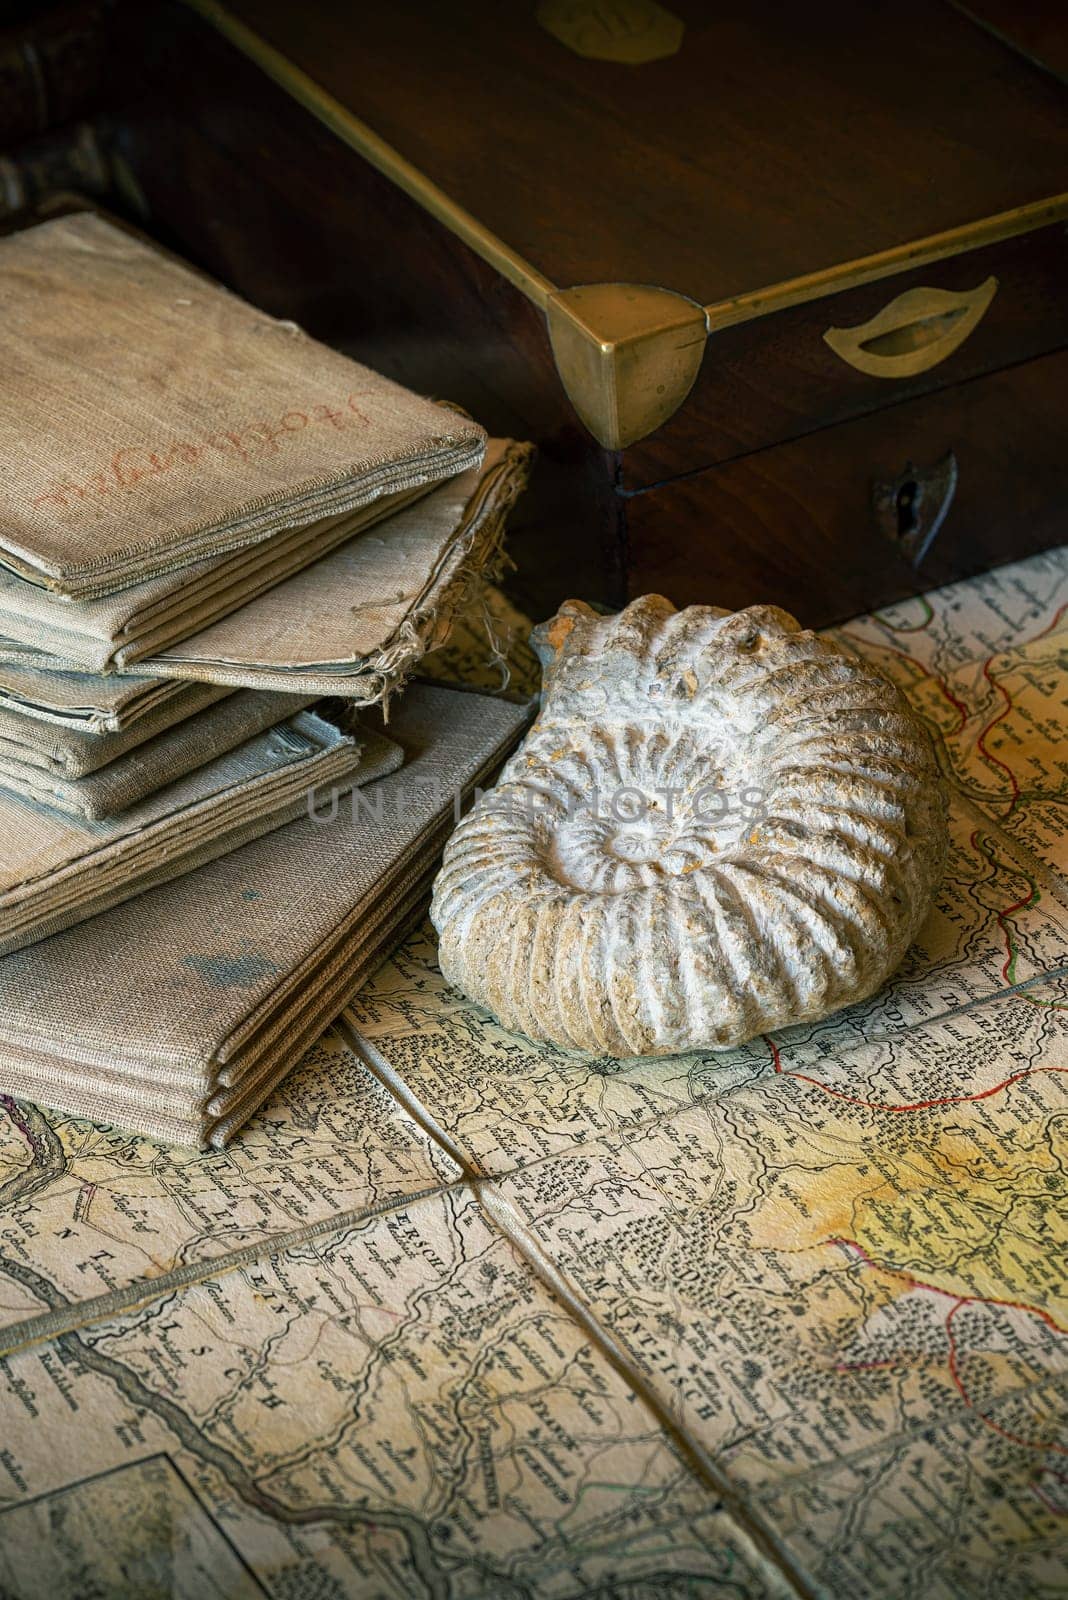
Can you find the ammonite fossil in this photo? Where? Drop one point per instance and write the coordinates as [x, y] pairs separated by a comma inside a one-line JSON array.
[[719, 824]]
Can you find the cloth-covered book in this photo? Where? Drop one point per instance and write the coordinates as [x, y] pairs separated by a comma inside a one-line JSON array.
[[74, 747], [65, 698], [55, 767], [149, 419], [56, 870], [358, 621], [113, 632], [176, 1013], [353, 623]]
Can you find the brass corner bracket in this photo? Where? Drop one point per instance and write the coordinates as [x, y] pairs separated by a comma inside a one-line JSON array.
[[627, 355]]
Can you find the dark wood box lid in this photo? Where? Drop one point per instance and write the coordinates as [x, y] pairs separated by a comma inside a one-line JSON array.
[[778, 154]]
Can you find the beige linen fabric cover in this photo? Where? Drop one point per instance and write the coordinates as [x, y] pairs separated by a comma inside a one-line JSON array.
[[357, 622], [112, 633], [368, 610], [92, 703], [149, 418], [150, 766], [72, 751], [175, 1014], [55, 871]]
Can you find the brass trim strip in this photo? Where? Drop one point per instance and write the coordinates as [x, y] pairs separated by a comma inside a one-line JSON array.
[[626, 354], [359, 137], [885, 263]]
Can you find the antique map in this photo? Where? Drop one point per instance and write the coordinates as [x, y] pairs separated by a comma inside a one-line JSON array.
[[463, 1317]]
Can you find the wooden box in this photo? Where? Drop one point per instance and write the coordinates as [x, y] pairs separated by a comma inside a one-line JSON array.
[[781, 292]]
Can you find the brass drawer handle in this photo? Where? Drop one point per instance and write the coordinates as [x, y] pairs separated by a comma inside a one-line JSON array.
[[914, 332]]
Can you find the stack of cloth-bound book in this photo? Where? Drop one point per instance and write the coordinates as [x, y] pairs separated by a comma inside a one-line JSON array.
[[223, 547]]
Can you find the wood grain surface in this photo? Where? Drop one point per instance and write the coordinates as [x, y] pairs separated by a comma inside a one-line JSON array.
[[781, 139], [794, 525]]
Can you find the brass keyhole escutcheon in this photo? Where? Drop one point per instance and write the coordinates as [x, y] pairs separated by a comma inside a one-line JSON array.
[[911, 508]]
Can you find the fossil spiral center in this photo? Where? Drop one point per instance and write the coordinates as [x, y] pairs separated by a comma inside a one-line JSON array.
[[606, 855]]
